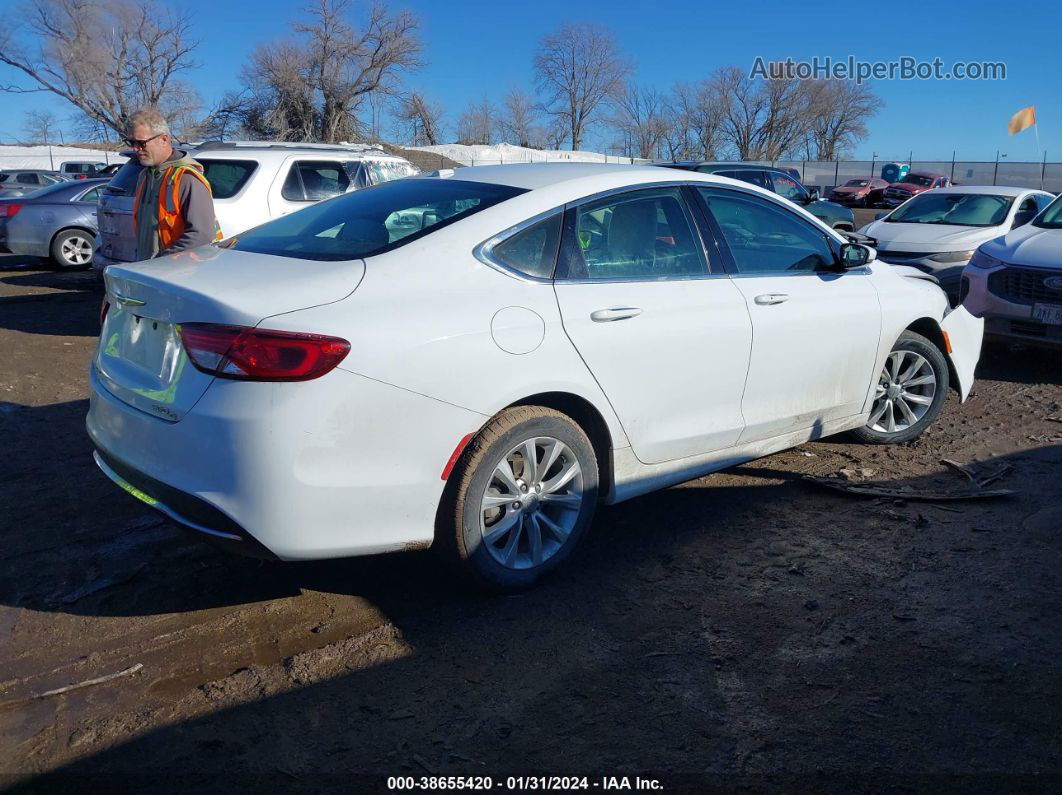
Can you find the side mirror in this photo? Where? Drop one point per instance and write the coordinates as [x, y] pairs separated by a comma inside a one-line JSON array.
[[854, 256], [813, 195], [879, 216]]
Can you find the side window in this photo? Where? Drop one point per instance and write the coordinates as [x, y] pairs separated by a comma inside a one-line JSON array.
[[313, 180], [27, 179], [1042, 201], [92, 196], [753, 177], [645, 234], [787, 187], [764, 238], [227, 177], [533, 250]]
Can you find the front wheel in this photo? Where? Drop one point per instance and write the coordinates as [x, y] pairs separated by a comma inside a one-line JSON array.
[[525, 491], [910, 392]]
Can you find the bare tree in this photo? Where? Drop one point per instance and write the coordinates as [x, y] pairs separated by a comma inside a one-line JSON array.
[[517, 118], [347, 64], [420, 120], [696, 121], [741, 106], [762, 120], [105, 57], [313, 86], [839, 113], [555, 134], [579, 68], [41, 127], [642, 120], [476, 124]]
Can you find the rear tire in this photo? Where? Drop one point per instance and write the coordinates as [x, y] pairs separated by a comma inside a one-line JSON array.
[[909, 393], [72, 248], [506, 520]]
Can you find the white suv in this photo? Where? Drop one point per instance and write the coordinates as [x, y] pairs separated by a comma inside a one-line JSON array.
[[252, 182]]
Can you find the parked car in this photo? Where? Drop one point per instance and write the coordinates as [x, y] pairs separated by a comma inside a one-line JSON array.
[[252, 182], [937, 232], [557, 335], [58, 221], [81, 169], [19, 182], [773, 179], [4, 202], [911, 185], [109, 170], [1015, 281], [859, 192]]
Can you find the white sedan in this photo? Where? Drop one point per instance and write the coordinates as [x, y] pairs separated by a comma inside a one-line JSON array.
[[473, 360], [938, 231]]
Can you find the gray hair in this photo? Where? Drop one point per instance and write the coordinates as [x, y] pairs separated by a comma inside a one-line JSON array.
[[150, 118]]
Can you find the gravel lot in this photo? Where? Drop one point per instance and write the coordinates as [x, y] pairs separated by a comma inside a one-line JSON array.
[[744, 629]]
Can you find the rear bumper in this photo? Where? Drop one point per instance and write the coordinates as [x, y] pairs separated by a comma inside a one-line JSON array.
[[339, 466], [185, 509]]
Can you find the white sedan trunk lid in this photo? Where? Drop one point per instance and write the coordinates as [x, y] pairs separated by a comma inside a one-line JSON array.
[[140, 359]]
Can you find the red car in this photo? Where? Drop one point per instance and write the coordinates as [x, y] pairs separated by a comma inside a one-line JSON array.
[[914, 183], [859, 192]]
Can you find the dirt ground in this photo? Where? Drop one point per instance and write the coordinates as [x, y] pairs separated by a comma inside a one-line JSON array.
[[742, 631]]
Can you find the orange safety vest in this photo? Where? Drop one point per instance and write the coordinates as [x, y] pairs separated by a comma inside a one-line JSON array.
[[170, 220]]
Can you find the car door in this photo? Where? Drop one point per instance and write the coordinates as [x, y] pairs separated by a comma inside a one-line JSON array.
[[666, 338], [815, 329]]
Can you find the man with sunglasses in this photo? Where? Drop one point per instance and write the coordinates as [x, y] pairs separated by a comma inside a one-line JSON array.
[[173, 208]]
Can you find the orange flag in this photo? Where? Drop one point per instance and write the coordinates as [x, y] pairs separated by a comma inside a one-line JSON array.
[[1022, 120]]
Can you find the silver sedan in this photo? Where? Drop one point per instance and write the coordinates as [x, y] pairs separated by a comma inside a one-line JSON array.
[[58, 222]]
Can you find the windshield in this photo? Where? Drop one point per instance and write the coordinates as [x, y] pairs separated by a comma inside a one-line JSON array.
[[373, 220], [1051, 218], [954, 209], [914, 179], [856, 183]]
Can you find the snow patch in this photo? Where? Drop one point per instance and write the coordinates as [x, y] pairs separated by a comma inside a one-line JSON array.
[[50, 157]]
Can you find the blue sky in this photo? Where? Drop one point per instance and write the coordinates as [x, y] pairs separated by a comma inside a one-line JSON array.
[[476, 48]]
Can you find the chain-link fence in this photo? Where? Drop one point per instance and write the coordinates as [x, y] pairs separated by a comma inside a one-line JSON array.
[[827, 174]]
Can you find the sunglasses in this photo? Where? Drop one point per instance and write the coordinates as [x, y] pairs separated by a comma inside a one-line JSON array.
[[140, 143]]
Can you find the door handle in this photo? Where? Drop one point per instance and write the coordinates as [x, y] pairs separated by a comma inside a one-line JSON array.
[[614, 313], [768, 299]]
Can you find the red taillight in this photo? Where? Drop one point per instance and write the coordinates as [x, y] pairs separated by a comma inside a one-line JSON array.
[[10, 210], [252, 354]]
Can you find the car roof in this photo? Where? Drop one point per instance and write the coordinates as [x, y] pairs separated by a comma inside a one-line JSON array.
[[286, 148], [592, 176], [532, 176], [992, 190]]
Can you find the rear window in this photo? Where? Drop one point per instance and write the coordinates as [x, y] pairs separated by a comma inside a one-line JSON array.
[[373, 220], [4, 177], [227, 177], [124, 179]]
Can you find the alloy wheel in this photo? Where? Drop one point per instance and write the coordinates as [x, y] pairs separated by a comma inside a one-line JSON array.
[[904, 393], [76, 250], [531, 503]]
